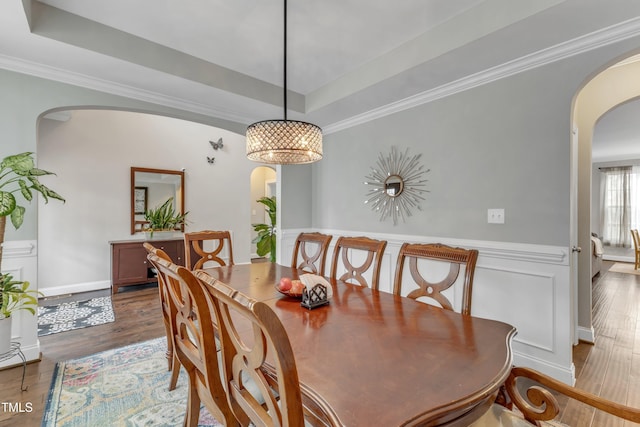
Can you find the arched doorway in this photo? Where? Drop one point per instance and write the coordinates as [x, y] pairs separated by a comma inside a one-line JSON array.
[[92, 154], [263, 184], [610, 88]]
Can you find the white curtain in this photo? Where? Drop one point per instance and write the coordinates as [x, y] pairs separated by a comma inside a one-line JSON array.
[[634, 198], [620, 204]]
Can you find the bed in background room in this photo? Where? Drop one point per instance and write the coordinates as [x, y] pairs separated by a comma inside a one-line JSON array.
[[596, 254]]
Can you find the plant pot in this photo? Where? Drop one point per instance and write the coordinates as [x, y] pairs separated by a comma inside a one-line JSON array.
[[5, 334], [161, 234]]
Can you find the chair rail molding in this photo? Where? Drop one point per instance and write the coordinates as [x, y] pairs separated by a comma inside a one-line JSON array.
[[525, 285]]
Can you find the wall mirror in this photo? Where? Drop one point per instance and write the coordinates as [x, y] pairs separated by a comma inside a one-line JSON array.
[[151, 188], [393, 185], [397, 185]]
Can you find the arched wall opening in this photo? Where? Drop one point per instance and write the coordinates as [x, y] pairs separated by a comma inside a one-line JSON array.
[[92, 152], [263, 184], [612, 86]]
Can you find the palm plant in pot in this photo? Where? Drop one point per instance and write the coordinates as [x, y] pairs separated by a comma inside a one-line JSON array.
[[18, 177], [266, 238]]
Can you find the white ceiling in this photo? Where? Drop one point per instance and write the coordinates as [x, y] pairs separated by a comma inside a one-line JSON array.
[[347, 59], [616, 136]]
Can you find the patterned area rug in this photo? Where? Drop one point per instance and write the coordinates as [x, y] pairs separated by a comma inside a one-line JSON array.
[[127, 386], [74, 315]]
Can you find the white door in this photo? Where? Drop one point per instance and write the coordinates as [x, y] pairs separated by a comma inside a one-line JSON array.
[[573, 234]]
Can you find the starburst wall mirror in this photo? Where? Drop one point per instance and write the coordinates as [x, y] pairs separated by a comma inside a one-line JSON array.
[[397, 185]]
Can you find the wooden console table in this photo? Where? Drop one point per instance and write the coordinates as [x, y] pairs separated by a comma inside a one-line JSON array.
[[129, 265]]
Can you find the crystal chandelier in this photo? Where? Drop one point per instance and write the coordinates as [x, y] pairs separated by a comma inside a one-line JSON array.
[[284, 141]]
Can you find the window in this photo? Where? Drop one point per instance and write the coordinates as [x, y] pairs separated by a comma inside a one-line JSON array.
[[620, 204]]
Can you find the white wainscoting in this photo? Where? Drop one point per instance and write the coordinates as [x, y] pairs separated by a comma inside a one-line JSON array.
[[524, 285], [19, 258]]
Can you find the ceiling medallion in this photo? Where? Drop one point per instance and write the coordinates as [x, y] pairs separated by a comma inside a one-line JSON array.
[[398, 185]]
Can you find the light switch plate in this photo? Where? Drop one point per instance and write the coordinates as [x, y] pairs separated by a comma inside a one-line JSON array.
[[495, 216]]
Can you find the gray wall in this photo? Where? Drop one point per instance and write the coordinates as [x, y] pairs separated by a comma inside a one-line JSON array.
[[296, 196], [502, 145]]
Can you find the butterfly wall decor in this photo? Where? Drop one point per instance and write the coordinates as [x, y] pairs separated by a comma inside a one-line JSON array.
[[216, 145]]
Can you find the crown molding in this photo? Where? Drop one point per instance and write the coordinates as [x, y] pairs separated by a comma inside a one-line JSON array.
[[597, 39], [113, 88]]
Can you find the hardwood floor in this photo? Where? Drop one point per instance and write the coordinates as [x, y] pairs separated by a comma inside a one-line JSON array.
[[610, 368], [138, 318]]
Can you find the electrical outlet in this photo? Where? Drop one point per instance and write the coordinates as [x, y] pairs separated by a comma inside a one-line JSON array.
[[495, 216]]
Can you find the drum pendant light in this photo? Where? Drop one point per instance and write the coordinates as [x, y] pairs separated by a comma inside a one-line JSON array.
[[284, 141]]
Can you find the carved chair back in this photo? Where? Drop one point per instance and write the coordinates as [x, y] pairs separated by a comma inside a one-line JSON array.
[[168, 314], [536, 399], [455, 257], [195, 254], [346, 251], [249, 331], [316, 261], [195, 343], [636, 244]]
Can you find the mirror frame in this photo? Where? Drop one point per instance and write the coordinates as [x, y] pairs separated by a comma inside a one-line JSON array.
[[133, 186]]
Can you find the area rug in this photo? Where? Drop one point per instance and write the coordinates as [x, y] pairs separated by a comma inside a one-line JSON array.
[[72, 315], [624, 267], [126, 386]]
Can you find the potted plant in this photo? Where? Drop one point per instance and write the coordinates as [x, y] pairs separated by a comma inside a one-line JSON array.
[[266, 238], [164, 218], [18, 176], [14, 295]]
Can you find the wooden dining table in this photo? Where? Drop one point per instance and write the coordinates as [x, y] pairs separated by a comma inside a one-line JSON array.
[[371, 358]]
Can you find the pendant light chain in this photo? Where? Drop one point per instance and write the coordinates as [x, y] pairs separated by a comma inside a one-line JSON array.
[[285, 60], [284, 141]]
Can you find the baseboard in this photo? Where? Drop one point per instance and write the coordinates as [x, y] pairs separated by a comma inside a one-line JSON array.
[[618, 258], [567, 376], [76, 288], [586, 334]]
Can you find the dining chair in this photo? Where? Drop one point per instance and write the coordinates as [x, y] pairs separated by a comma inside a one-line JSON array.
[[535, 394], [348, 249], [315, 262], [195, 243], [636, 245], [436, 252], [195, 344], [257, 353], [168, 315]]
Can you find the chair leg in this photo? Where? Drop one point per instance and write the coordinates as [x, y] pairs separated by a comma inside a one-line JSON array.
[[175, 372], [170, 352], [170, 358], [192, 416], [173, 364]]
